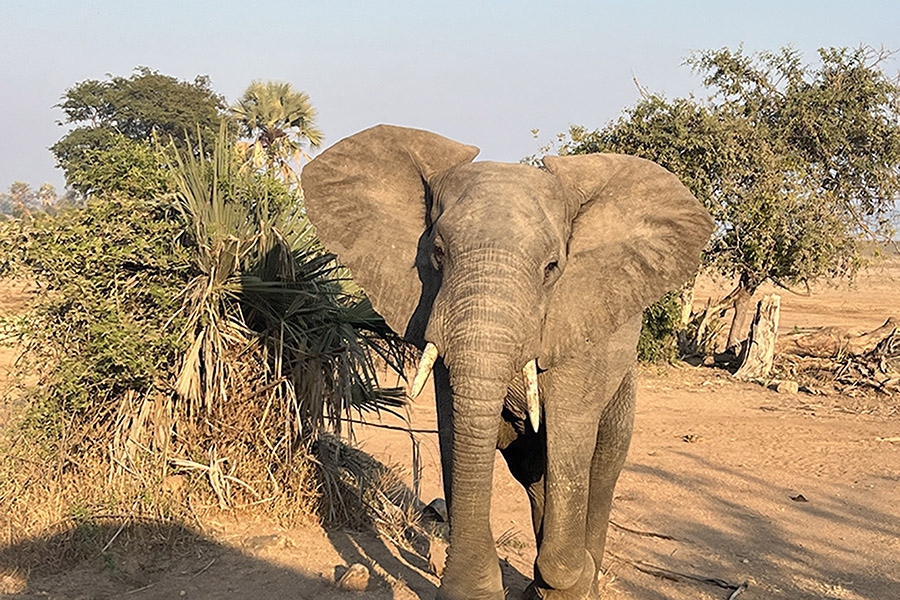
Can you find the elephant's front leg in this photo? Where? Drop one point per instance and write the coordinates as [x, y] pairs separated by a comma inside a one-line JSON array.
[[613, 439], [565, 568]]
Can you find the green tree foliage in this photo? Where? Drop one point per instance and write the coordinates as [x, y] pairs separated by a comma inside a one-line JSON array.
[[659, 331], [109, 275], [278, 121], [110, 163], [795, 162], [117, 120]]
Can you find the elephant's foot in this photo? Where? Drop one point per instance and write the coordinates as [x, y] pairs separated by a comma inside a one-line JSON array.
[[585, 588], [464, 581]]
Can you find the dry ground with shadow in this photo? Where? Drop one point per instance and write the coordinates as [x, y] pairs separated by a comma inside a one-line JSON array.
[[795, 495]]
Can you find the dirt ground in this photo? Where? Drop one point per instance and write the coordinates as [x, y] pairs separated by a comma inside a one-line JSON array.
[[14, 297], [726, 483]]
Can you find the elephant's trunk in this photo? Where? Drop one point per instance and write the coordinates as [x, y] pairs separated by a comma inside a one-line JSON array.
[[485, 339], [477, 402], [480, 314]]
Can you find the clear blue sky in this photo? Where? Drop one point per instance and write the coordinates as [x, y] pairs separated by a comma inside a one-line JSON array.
[[482, 72]]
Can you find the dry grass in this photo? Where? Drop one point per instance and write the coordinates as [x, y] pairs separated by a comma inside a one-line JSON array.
[[159, 460], [53, 520], [365, 493], [147, 460]]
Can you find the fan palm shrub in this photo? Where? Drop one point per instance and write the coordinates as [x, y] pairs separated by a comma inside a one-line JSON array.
[[263, 284]]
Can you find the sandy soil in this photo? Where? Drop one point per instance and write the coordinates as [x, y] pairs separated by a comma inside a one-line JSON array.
[[14, 296], [726, 483]]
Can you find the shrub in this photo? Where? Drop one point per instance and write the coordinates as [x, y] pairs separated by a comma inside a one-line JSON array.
[[659, 331]]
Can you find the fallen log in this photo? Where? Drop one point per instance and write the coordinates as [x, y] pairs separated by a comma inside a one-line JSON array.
[[853, 366], [827, 342]]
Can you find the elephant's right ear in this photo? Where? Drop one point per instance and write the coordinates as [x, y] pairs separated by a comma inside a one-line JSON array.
[[366, 195]]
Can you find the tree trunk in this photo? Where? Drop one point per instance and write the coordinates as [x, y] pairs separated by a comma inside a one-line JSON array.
[[761, 346], [686, 300], [738, 330]]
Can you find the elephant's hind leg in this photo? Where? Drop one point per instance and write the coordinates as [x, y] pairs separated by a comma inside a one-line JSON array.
[[613, 439]]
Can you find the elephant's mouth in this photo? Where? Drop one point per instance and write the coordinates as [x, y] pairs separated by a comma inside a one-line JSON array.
[[529, 373]]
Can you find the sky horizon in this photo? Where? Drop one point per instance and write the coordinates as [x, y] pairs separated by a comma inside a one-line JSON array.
[[482, 73]]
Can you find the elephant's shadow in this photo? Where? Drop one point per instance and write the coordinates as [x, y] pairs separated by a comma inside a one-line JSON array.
[[514, 581], [390, 563]]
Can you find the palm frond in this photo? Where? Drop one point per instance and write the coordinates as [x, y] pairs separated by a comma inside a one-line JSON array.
[[266, 283]]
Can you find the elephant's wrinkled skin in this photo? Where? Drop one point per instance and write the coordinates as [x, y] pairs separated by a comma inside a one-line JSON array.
[[497, 265]]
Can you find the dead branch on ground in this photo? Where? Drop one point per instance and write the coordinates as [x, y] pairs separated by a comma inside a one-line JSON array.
[[845, 360]]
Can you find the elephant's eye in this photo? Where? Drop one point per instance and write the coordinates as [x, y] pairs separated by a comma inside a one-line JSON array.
[[437, 255], [551, 271]]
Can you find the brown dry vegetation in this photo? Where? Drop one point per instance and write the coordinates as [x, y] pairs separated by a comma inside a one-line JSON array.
[[793, 494]]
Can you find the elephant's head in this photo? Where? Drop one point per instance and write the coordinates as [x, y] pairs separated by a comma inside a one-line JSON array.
[[497, 265]]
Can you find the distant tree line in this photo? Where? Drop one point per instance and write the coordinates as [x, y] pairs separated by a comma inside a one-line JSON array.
[[123, 124]]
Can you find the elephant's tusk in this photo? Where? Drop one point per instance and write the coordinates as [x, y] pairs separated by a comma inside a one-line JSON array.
[[529, 371], [426, 363]]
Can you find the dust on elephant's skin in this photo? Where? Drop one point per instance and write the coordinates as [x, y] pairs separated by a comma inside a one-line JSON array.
[[499, 268]]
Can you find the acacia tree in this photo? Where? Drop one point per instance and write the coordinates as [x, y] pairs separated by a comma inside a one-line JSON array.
[[116, 120], [278, 121], [796, 163]]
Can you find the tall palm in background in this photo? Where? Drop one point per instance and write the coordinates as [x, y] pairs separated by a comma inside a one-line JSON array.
[[277, 121]]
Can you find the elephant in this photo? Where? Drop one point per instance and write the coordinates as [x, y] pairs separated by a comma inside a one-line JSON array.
[[524, 287]]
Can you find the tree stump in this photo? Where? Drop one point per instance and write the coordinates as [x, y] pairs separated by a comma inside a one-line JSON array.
[[740, 298], [761, 345]]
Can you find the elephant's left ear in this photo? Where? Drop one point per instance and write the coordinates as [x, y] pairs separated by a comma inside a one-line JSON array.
[[637, 233]]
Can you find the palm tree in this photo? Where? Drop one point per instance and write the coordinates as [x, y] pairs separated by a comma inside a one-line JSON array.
[[278, 121]]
